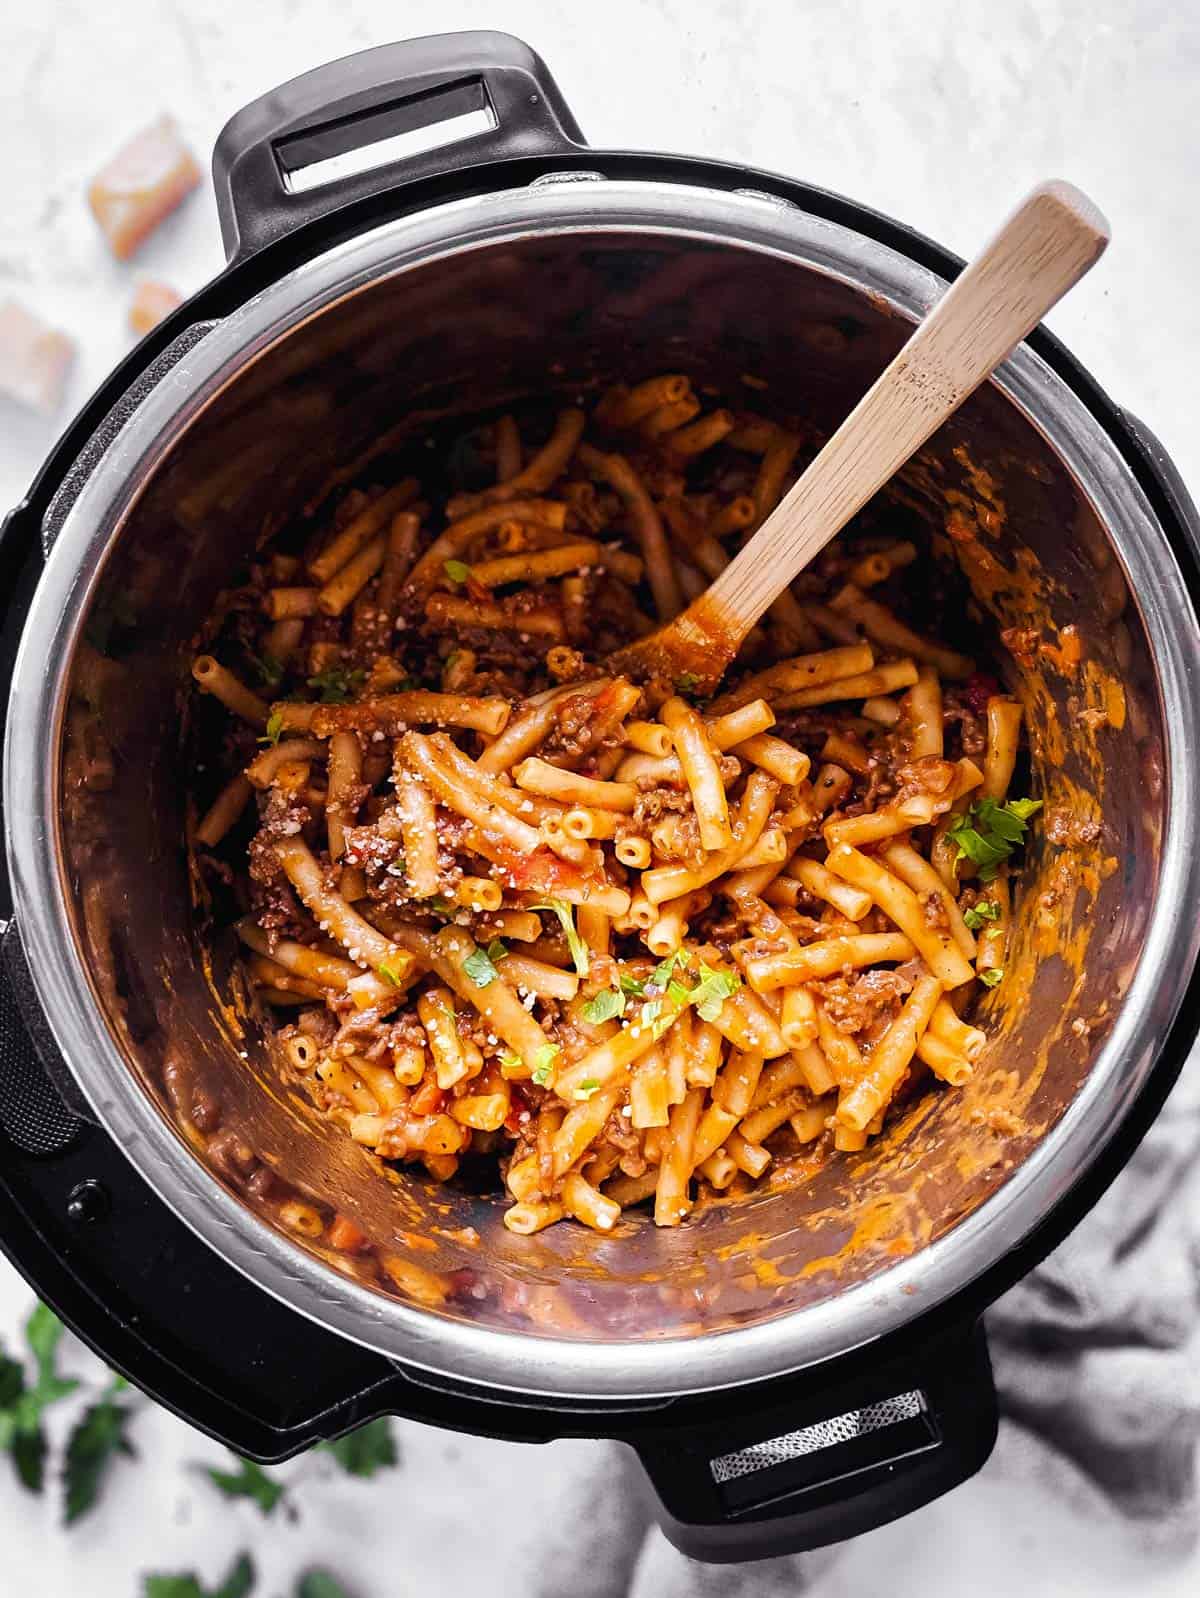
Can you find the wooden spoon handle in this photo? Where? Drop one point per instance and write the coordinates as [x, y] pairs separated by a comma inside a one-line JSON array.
[[1047, 245]]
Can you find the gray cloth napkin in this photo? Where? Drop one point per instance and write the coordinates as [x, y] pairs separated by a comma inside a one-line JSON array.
[[1097, 1352], [1097, 1365]]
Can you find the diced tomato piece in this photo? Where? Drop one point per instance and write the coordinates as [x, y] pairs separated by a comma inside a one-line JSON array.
[[428, 1099], [344, 1234], [518, 1106], [142, 184]]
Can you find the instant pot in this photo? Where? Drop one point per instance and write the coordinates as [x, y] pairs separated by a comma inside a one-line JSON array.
[[791, 1368]]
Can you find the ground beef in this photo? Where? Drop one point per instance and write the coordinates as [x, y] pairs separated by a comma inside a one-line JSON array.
[[931, 774], [933, 909], [855, 1005], [274, 907], [652, 804], [972, 728]]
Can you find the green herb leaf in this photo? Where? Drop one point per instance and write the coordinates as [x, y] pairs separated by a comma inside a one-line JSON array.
[[543, 1062], [237, 1584], [337, 684], [587, 1087], [389, 973], [43, 1333], [712, 990], [660, 977], [22, 1408], [269, 670], [977, 914], [687, 681], [440, 904], [456, 570], [987, 833], [992, 976], [274, 730], [578, 948], [248, 1481], [479, 967], [650, 1013], [631, 985], [604, 1006], [98, 1438], [319, 1584], [497, 951], [510, 1059], [364, 1451], [29, 1459]]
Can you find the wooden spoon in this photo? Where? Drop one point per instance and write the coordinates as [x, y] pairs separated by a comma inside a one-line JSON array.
[[1044, 248]]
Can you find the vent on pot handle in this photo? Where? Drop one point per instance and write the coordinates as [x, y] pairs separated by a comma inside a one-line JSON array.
[[377, 121], [817, 1461]]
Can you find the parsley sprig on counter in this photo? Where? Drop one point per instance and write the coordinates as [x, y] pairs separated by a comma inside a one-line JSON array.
[[248, 1481], [987, 833], [366, 1449], [239, 1583], [97, 1438], [94, 1446], [23, 1407]]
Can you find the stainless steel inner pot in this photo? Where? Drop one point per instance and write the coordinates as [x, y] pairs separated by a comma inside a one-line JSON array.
[[557, 287]]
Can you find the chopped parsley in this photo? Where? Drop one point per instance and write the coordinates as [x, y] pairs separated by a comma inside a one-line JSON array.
[[663, 972], [650, 1013], [274, 730], [712, 990], [480, 964], [687, 682], [985, 910], [988, 832], [587, 1087], [543, 1063], [578, 948], [606, 1005], [441, 904], [510, 1060], [270, 670], [456, 570], [337, 684], [991, 977], [631, 985], [389, 973]]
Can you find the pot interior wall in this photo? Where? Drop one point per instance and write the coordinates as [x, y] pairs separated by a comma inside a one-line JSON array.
[[561, 315]]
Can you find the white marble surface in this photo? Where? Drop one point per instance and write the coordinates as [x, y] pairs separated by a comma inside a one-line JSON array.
[[938, 111]]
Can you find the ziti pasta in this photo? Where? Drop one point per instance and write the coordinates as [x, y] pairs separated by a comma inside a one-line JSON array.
[[629, 947]]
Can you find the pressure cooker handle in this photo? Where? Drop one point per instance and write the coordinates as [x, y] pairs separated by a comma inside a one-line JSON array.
[[266, 164], [831, 1462]]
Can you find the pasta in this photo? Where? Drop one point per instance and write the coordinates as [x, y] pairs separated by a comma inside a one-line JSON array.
[[629, 946]]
